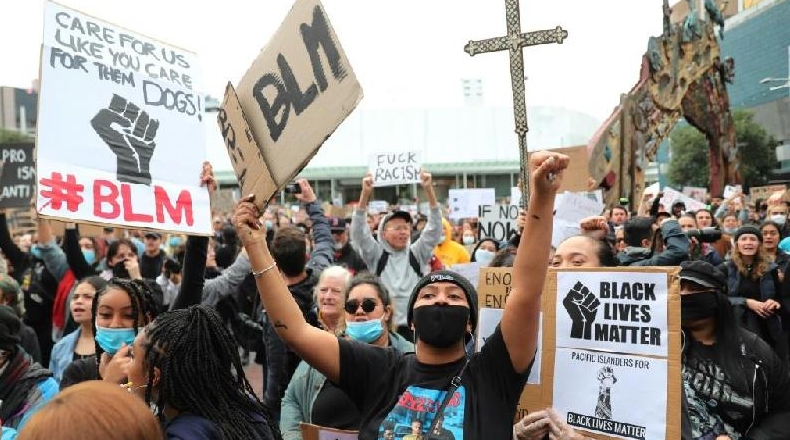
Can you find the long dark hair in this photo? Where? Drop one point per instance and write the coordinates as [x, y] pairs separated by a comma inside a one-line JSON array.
[[142, 298], [201, 372]]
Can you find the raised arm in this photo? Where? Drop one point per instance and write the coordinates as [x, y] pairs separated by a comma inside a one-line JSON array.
[[318, 348], [323, 253], [10, 250], [71, 246], [520, 318], [361, 238]]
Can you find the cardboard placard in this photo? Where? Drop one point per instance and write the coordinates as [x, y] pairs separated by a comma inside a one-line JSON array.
[[493, 289], [395, 168], [18, 175], [121, 139], [296, 93], [315, 432], [763, 192]]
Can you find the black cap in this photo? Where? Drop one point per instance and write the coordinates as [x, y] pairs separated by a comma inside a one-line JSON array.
[[152, 234], [748, 229], [446, 276], [337, 224], [704, 274], [397, 214], [9, 328], [679, 203]]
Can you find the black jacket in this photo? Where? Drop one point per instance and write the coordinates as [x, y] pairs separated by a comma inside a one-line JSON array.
[[770, 390], [676, 248], [350, 259]]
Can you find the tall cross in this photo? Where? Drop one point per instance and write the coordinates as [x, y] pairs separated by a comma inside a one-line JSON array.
[[514, 42]]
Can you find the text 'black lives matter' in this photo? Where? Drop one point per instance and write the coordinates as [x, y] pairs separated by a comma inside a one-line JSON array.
[[286, 91], [622, 318]]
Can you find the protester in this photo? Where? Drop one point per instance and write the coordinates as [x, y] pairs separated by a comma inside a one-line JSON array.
[[153, 257], [117, 313], [24, 385], [754, 290], [78, 344], [11, 296], [109, 412], [345, 254], [449, 251], [328, 297], [484, 251], [399, 263], [771, 234], [734, 385], [698, 250], [442, 311], [310, 398], [638, 234], [469, 240]]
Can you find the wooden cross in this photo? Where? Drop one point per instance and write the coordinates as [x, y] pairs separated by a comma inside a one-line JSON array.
[[514, 42]]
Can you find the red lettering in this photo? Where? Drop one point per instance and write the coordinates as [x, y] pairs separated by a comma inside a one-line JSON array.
[[128, 210], [183, 206], [100, 199], [456, 399]]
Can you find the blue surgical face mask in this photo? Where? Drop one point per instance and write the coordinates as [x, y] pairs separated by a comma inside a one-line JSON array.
[[468, 239], [364, 331], [35, 251], [268, 224], [110, 339], [441, 239], [779, 219], [174, 241], [89, 255], [484, 256]]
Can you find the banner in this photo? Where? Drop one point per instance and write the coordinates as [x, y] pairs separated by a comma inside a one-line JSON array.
[[397, 168], [17, 175], [121, 138], [464, 203], [498, 222], [296, 93]]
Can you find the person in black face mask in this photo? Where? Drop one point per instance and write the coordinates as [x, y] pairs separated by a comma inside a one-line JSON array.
[[734, 384], [474, 396]]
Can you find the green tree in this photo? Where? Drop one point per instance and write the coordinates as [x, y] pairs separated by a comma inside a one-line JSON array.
[[689, 165], [13, 136]]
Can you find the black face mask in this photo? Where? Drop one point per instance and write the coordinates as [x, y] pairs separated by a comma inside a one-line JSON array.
[[699, 305], [440, 325], [119, 270]]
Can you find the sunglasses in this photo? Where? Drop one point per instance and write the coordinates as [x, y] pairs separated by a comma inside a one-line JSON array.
[[368, 305]]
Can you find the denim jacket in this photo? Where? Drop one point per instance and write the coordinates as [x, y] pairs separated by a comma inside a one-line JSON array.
[[63, 354]]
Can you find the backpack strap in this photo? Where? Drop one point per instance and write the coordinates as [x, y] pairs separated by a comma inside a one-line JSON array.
[[415, 265], [382, 263]]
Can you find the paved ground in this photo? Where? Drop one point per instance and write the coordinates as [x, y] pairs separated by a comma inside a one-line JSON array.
[[254, 373]]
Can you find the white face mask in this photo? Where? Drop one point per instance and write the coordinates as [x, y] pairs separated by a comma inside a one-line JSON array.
[[338, 246], [779, 219], [468, 239], [441, 239], [484, 256]]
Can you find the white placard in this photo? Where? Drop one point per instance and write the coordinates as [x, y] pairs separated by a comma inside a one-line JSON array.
[[464, 202], [606, 393], [618, 312], [731, 190], [378, 206], [515, 195], [499, 222], [121, 137], [469, 270], [671, 196], [395, 168], [487, 321], [562, 230], [697, 193], [573, 207]]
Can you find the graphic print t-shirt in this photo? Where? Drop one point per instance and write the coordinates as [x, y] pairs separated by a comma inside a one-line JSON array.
[[396, 394], [716, 405]]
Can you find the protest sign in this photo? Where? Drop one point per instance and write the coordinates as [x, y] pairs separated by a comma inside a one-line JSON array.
[[378, 206], [315, 432], [608, 393], [515, 195], [469, 270], [296, 93], [575, 206], [121, 138], [672, 196], [763, 192], [396, 168], [699, 193], [465, 202], [497, 221], [598, 374], [731, 190], [17, 175]]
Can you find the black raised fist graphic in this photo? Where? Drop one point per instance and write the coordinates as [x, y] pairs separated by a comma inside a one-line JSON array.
[[582, 306], [129, 132]]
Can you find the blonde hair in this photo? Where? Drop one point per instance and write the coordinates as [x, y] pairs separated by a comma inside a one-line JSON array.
[[111, 412], [759, 267]]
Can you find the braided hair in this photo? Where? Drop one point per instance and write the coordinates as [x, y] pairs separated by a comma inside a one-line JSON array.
[[201, 373], [142, 298]]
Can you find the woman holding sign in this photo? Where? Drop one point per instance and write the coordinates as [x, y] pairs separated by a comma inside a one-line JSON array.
[[477, 395]]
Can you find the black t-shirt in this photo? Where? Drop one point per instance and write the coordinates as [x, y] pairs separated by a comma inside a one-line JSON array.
[[333, 409], [151, 267], [717, 404], [392, 389]]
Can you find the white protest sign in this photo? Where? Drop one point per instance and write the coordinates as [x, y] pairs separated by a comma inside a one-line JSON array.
[[294, 95], [697, 193], [498, 221], [614, 394], [396, 168], [731, 190], [471, 270], [488, 319], [121, 138], [378, 206], [672, 196], [515, 195], [464, 202], [562, 230], [573, 207], [622, 312]]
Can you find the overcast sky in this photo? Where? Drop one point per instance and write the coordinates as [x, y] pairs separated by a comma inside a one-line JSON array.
[[406, 53]]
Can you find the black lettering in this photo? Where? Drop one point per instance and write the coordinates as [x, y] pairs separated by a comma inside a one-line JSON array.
[[115, 75], [182, 102], [606, 289], [125, 60], [300, 100], [315, 35], [649, 292], [645, 312], [625, 293], [67, 60], [182, 62], [280, 104]]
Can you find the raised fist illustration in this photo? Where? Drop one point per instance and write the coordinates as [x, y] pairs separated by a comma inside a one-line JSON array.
[[603, 409], [582, 306], [129, 132]]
